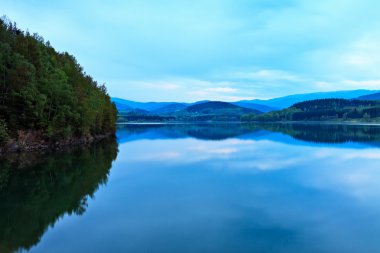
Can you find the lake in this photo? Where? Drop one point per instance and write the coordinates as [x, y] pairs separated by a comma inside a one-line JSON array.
[[199, 188]]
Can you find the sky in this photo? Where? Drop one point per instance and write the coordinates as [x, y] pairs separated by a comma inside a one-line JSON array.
[[165, 50]]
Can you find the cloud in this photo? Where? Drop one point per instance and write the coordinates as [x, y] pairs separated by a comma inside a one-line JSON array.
[[365, 83], [181, 51], [221, 90], [266, 75], [162, 86], [218, 94]]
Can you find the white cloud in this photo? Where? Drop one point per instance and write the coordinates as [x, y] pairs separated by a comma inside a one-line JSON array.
[[365, 83], [221, 90], [162, 86], [266, 75]]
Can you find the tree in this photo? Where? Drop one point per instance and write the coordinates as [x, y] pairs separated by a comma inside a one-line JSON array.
[[47, 91]]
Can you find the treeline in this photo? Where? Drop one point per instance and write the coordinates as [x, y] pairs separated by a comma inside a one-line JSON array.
[[123, 118], [46, 91], [324, 110]]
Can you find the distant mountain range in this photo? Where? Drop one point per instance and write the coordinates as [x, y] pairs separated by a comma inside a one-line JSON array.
[[374, 96], [216, 107], [287, 101], [172, 107], [122, 104], [256, 105], [327, 109], [201, 111]]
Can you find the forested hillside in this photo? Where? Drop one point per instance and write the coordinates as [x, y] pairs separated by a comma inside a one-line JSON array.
[[324, 110], [47, 92], [198, 112]]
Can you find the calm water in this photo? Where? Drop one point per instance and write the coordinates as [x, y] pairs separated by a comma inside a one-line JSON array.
[[199, 188]]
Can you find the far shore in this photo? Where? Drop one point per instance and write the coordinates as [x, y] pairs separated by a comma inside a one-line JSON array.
[[350, 123]]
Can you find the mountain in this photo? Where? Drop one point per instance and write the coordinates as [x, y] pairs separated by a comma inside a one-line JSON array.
[[147, 106], [287, 101], [197, 112], [254, 106], [122, 107], [166, 108], [332, 109], [217, 107], [134, 111], [199, 102], [173, 107], [374, 96]]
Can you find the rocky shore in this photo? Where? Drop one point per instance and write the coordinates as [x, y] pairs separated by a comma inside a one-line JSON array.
[[33, 141]]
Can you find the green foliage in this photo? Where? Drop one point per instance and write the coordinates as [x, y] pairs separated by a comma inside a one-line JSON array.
[[3, 132], [42, 89], [324, 110]]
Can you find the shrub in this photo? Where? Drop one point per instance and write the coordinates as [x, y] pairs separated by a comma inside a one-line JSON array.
[[3, 132]]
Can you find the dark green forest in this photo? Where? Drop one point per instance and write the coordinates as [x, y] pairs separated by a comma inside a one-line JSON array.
[[324, 110], [47, 92]]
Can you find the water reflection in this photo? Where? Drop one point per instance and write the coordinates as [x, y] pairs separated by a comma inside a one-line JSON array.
[[314, 133], [329, 133], [201, 188], [36, 190], [173, 131]]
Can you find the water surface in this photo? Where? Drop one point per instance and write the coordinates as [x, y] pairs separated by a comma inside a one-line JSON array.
[[199, 188]]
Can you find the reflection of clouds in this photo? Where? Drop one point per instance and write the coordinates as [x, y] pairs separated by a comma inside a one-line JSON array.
[[352, 171], [327, 194], [366, 154], [160, 156], [179, 151], [347, 154], [206, 149], [241, 154], [270, 163]]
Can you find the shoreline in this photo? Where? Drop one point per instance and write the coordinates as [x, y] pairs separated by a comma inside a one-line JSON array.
[[179, 123], [37, 145], [348, 123]]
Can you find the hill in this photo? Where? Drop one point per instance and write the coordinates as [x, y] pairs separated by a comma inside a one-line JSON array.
[[146, 106], [375, 96], [46, 96], [122, 107], [173, 107], [217, 107], [254, 106], [205, 111], [324, 110], [287, 101], [213, 111]]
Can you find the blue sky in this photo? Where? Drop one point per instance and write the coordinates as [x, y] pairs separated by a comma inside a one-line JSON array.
[[161, 50]]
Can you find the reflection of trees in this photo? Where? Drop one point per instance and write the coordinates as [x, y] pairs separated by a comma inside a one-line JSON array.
[[36, 194], [318, 133], [328, 133], [198, 131]]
